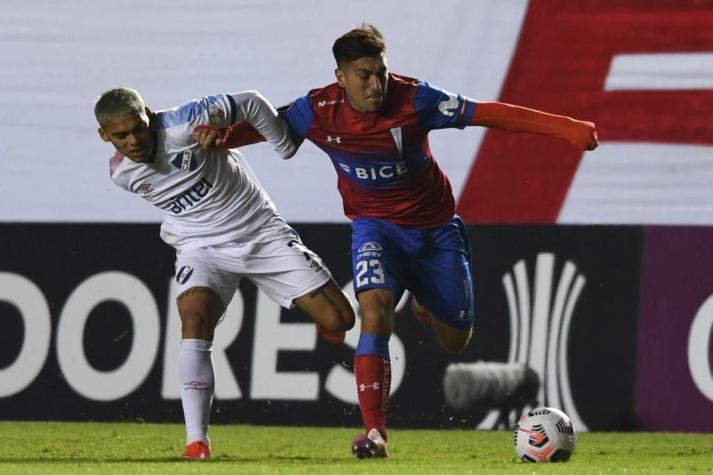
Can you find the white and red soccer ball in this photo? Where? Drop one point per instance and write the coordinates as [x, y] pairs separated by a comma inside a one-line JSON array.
[[544, 434]]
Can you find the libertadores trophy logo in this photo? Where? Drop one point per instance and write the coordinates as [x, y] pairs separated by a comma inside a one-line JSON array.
[[539, 327], [540, 317]]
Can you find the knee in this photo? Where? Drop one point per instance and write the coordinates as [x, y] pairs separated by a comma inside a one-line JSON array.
[[196, 324], [200, 311], [453, 348], [376, 318], [454, 342], [373, 313]]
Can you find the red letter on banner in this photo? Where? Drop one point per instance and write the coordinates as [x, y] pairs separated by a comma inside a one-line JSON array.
[[560, 66]]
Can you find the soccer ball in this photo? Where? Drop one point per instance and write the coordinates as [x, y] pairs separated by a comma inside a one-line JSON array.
[[545, 434]]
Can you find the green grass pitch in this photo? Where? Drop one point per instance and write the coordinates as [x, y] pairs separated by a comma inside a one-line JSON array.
[[125, 448]]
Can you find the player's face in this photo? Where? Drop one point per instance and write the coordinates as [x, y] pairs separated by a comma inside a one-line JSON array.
[[130, 135], [364, 81]]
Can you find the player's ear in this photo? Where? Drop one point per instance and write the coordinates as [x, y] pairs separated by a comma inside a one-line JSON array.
[[103, 134], [339, 74]]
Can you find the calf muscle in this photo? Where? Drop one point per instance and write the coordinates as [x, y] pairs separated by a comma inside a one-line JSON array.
[[200, 309]]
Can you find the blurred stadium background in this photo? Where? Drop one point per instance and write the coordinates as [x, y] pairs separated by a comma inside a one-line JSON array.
[[593, 270]]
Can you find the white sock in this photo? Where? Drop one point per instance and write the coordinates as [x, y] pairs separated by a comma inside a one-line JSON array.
[[197, 385]]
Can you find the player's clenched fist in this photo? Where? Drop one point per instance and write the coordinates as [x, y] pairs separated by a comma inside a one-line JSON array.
[[584, 135], [208, 136]]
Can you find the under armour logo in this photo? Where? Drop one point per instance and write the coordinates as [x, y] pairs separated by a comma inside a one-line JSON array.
[[334, 139], [363, 387]]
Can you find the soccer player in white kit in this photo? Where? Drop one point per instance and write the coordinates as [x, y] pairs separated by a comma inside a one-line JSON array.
[[221, 223]]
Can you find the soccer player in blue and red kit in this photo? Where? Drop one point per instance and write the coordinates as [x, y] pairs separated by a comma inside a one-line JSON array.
[[374, 126]]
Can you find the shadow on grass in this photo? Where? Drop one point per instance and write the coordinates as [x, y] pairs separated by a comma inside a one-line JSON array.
[[215, 460]]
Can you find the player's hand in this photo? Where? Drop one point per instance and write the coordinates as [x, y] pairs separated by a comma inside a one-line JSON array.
[[584, 135], [208, 137]]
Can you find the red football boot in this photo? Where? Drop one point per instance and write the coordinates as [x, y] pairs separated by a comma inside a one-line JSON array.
[[197, 450]]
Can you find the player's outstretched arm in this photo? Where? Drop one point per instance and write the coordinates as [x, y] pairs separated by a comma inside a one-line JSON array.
[[254, 108], [237, 135], [499, 115]]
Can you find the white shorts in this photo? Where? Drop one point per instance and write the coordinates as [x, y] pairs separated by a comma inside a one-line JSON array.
[[278, 264]]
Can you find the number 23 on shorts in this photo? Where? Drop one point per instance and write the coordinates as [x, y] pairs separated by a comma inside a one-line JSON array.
[[369, 271]]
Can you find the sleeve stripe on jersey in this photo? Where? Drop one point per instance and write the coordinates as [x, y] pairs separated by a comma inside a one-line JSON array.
[[184, 113], [233, 108], [461, 112], [469, 110]]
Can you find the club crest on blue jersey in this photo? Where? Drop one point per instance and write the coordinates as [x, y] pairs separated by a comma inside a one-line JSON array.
[[185, 161], [183, 274]]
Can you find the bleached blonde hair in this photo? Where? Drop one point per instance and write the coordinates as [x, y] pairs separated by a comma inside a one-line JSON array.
[[117, 102]]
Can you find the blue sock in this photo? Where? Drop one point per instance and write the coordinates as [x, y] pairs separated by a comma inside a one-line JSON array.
[[373, 344]]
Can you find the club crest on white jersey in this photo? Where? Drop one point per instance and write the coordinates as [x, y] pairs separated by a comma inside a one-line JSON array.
[[183, 274], [185, 161]]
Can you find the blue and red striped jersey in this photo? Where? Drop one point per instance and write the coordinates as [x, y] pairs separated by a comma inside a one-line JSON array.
[[383, 160]]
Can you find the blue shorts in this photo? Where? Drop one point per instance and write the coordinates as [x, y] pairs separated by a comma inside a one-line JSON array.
[[434, 264]]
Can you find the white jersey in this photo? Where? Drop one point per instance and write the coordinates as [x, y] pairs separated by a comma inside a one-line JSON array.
[[208, 196]]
